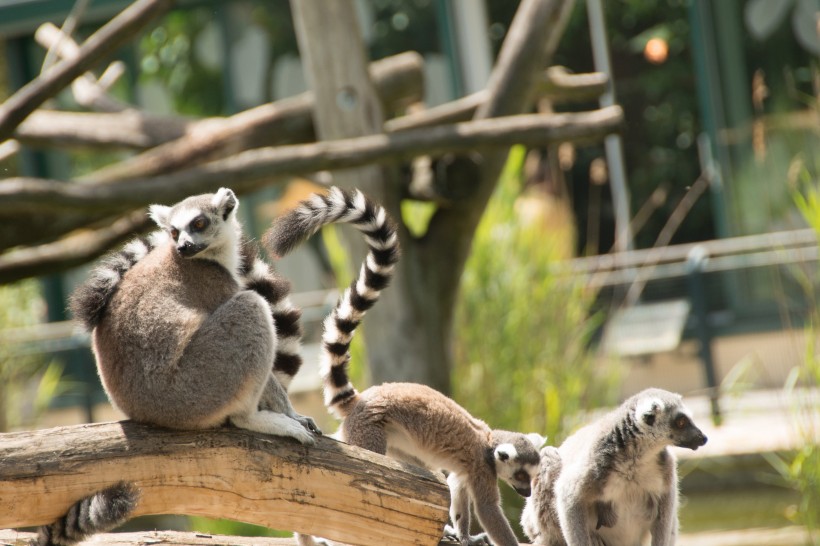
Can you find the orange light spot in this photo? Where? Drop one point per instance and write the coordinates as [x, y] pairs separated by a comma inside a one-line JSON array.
[[656, 50]]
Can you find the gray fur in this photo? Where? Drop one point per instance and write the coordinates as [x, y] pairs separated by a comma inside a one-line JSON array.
[[97, 513], [614, 481], [182, 343]]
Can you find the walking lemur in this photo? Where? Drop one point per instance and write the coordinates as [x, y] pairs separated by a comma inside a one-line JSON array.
[[407, 421]]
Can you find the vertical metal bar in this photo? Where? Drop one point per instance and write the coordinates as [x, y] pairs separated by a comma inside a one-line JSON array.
[[612, 143], [695, 264], [444, 15], [474, 53]]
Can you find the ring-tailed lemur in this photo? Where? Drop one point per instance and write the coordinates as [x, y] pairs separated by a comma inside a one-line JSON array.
[[182, 336], [410, 422], [614, 481], [96, 513], [191, 329], [89, 302]]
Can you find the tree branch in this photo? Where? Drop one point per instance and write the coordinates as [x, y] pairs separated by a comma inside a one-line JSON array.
[[254, 169], [397, 79], [127, 129], [331, 490], [528, 47], [556, 83], [70, 251], [112, 35]]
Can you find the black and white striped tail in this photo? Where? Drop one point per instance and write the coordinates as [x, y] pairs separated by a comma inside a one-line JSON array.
[[97, 513], [259, 277], [380, 234], [89, 300]]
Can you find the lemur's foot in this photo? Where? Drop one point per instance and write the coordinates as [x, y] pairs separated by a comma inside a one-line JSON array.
[[451, 535], [308, 423]]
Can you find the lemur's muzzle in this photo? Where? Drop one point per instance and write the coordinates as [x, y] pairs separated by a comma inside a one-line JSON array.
[[694, 440], [188, 249], [523, 491]]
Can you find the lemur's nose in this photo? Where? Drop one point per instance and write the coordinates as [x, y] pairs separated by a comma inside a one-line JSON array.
[[186, 248]]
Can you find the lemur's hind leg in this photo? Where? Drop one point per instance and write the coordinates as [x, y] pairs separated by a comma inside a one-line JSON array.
[[275, 398], [371, 437], [236, 345]]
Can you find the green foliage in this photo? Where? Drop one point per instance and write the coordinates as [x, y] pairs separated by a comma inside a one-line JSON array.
[[168, 56], [28, 382], [802, 471], [228, 527], [523, 327]]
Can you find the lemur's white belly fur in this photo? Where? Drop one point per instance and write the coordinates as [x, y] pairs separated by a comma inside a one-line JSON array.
[[634, 495], [401, 446]]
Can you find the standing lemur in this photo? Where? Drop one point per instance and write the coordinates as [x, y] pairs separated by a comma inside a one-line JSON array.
[[614, 481], [190, 330], [407, 421]]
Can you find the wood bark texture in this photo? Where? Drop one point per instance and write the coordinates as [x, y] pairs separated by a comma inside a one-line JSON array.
[[331, 489]]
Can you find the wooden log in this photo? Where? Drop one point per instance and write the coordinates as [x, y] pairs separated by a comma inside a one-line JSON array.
[[331, 489], [10, 537]]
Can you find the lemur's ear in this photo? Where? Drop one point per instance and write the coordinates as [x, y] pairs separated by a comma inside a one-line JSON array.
[[504, 452], [225, 202], [159, 214], [537, 440], [648, 409]]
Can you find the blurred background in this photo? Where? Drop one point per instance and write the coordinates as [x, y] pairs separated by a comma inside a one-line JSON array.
[[680, 254]]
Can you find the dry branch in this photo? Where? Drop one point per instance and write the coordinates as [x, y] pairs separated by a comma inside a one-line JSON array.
[[73, 250], [397, 79], [88, 90], [331, 489], [253, 169], [120, 30], [127, 129], [556, 84]]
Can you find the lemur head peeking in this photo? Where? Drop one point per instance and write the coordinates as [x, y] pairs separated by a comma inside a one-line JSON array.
[[196, 224], [515, 457], [662, 414]]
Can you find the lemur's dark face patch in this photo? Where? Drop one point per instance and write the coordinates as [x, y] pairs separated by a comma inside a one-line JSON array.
[[516, 463], [684, 433]]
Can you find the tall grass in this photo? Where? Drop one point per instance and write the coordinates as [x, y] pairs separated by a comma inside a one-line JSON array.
[[28, 380], [522, 326], [802, 471]]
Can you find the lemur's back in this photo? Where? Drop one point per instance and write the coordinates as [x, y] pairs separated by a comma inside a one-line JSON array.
[[418, 417], [158, 307]]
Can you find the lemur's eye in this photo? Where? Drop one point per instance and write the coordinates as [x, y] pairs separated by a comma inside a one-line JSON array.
[[174, 234], [681, 421], [199, 223], [521, 476]]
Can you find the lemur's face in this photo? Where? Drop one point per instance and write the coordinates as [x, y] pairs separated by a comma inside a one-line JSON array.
[[516, 459], [198, 224], [664, 415]]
